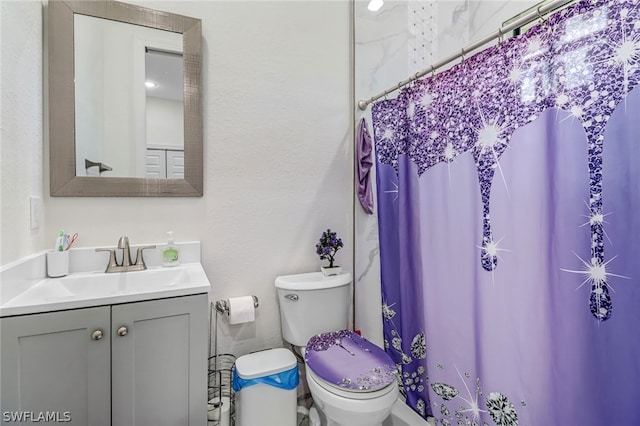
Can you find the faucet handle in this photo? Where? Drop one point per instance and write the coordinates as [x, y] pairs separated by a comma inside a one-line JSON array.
[[140, 258], [112, 258]]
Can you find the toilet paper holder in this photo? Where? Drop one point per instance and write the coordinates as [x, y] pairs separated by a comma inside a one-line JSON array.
[[222, 306]]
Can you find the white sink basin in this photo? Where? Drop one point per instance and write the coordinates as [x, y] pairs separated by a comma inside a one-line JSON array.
[[87, 289], [101, 284]]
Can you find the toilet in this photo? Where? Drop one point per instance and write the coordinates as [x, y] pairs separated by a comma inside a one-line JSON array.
[[352, 381]]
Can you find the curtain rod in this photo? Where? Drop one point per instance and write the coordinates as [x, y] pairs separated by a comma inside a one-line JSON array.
[[538, 13]]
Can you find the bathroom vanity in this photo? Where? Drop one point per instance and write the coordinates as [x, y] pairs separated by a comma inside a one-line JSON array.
[[107, 349]]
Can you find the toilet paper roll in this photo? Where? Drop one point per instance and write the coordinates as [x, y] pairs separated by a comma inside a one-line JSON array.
[[221, 414], [241, 310]]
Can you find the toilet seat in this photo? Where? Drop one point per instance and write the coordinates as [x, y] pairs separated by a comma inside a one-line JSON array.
[[349, 394], [345, 363]]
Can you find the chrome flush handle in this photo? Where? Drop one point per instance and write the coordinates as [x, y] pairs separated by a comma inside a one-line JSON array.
[[292, 297]]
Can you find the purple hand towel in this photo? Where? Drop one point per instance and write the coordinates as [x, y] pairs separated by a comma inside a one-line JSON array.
[[364, 163]]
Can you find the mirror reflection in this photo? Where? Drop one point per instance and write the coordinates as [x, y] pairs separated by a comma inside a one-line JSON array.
[[129, 100], [164, 156]]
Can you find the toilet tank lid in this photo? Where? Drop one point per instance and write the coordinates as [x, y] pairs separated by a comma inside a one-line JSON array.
[[312, 281], [265, 363]]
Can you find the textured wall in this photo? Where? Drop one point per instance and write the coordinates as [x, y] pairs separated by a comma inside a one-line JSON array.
[[22, 127]]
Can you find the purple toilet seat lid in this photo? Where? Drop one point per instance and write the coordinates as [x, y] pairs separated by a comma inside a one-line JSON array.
[[349, 361]]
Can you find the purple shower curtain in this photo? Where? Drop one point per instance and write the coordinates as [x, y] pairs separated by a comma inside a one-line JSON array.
[[509, 224]]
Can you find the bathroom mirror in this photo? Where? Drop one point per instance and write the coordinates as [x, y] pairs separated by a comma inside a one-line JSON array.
[[104, 138]]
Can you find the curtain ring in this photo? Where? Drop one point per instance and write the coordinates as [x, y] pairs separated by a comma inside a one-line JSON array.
[[462, 56], [542, 20], [500, 37], [433, 71]]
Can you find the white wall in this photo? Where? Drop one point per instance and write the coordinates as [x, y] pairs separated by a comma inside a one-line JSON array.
[[21, 127], [402, 38], [277, 152]]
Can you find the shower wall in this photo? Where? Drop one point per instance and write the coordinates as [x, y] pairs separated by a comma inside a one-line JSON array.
[[400, 39]]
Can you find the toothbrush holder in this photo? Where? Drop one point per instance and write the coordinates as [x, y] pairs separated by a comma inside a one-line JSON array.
[[57, 263]]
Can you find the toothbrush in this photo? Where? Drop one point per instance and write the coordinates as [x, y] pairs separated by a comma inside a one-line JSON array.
[[59, 241], [71, 240]]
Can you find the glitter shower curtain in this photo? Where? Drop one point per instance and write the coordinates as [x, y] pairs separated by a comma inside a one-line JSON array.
[[508, 193]]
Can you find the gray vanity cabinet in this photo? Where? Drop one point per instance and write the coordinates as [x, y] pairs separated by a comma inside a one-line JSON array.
[[142, 363], [159, 374], [57, 363]]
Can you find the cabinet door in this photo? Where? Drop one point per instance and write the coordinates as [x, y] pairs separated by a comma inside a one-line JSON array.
[[54, 367], [159, 367], [156, 163], [175, 164]]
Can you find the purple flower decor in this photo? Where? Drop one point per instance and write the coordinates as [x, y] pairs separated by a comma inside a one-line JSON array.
[[328, 246]]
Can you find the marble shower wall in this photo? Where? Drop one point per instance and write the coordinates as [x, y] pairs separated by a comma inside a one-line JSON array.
[[397, 41]]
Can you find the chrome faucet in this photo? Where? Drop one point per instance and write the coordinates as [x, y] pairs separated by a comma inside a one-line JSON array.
[[126, 265]]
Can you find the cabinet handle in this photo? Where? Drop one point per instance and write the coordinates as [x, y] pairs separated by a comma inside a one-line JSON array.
[[122, 331], [96, 335]]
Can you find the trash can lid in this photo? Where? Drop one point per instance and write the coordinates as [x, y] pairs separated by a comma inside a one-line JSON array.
[[265, 363]]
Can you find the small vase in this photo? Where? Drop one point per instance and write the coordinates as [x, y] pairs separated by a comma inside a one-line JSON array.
[[327, 271]]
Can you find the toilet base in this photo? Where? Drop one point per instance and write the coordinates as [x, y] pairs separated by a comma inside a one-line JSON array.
[[314, 417], [335, 410]]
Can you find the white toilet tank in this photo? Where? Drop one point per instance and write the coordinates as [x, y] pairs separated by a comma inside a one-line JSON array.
[[311, 304]]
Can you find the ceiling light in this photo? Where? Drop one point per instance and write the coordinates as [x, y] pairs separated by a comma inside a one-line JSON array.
[[375, 5], [149, 84]]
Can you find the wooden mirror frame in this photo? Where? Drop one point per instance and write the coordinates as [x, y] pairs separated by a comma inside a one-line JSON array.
[[62, 157]]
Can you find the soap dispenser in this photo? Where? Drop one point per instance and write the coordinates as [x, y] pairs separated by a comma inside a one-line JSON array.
[[170, 253]]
